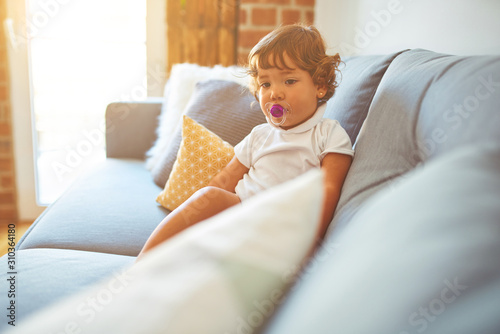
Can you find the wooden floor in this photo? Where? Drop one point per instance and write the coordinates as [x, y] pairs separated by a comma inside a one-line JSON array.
[[21, 228]]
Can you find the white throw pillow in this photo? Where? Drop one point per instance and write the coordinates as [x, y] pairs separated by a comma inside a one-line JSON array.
[[224, 275], [178, 91]]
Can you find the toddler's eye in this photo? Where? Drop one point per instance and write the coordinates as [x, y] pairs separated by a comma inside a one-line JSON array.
[[290, 81], [265, 85]]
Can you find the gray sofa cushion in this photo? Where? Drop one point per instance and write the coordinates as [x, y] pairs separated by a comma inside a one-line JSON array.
[[110, 210], [358, 83], [420, 257], [461, 104], [130, 128], [45, 276], [414, 108], [223, 107]]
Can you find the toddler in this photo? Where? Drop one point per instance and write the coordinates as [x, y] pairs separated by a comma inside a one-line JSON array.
[[291, 78]]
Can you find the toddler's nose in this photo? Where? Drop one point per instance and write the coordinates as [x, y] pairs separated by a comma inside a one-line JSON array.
[[277, 94]]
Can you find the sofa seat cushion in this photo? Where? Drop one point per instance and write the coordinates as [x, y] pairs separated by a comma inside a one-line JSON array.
[[420, 257], [420, 111], [110, 210], [44, 276]]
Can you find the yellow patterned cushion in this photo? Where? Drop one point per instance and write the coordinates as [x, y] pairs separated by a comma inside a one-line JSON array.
[[201, 156]]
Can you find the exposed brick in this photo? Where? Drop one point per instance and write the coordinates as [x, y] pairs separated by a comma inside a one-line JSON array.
[[305, 2], [3, 115], [7, 182], [309, 17], [5, 129], [5, 165], [243, 57], [243, 16], [4, 112], [5, 146], [8, 207], [4, 95], [264, 16], [8, 215], [274, 2], [7, 198], [248, 38], [290, 16], [3, 73]]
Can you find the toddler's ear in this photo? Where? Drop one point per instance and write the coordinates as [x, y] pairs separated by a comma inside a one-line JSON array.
[[321, 91]]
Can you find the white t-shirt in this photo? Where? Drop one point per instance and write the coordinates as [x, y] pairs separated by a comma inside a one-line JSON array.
[[274, 155]]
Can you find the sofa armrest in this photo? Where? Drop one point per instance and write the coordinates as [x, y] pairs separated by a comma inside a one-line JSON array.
[[131, 128]]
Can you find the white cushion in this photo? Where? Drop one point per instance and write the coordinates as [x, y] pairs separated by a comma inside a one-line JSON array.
[[225, 274]]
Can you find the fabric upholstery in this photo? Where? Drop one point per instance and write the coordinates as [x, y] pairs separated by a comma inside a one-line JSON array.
[[226, 108], [419, 257], [358, 81], [202, 155], [412, 118], [130, 128], [45, 276], [110, 210]]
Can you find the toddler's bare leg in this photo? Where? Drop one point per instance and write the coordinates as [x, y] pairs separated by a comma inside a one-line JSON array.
[[203, 204]]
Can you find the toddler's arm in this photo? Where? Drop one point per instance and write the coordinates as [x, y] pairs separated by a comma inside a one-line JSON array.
[[229, 177], [335, 167]]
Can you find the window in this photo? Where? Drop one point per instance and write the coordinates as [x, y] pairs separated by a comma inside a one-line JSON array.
[[83, 55]]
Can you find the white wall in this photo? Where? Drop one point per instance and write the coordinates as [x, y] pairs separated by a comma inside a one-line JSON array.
[[462, 27]]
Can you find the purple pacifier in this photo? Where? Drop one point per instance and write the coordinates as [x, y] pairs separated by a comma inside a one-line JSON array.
[[277, 112]]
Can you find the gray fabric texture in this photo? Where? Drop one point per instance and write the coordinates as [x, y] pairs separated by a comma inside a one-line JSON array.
[[130, 128], [461, 105], [358, 82], [413, 109], [45, 276], [420, 257], [226, 108], [110, 210]]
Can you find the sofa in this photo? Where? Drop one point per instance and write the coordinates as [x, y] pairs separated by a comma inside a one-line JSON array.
[[414, 245]]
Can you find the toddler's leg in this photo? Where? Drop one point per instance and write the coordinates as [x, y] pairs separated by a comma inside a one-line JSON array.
[[203, 204]]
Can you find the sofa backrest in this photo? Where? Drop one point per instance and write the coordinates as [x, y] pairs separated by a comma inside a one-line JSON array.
[[426, 105], [358, 81]]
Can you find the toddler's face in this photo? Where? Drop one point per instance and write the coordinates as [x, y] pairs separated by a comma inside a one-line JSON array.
[[295, 87]]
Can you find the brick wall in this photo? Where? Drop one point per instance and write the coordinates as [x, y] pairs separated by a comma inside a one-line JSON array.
[[8, 207], [259, 17]]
